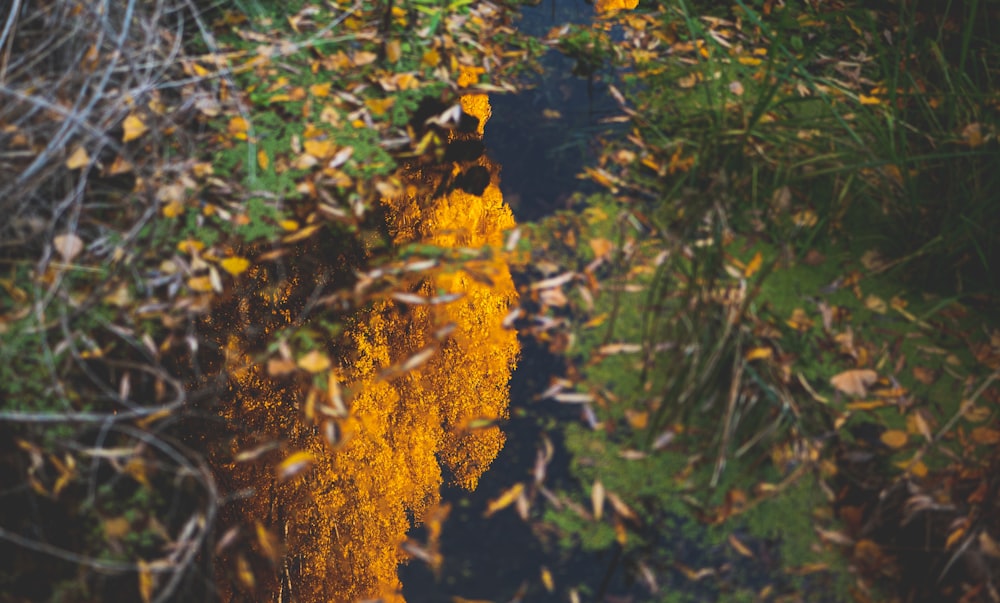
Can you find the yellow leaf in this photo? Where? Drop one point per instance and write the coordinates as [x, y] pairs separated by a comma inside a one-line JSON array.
[[504, 500], [202, 284], [116, 528], [393, 50], [294, 464], [235, 265], [190, 246], [78, 159], [601, 247], [876, 304], [134, 128], [319, 149], [869, 100], [238, 127], [954, 537], [431, 58], [269, 543], [760, 353], [606, 6], [145, 582], [547, 580], [754, 265], [303, 233], [378, 106], [894, 438], [749, 61], [854, 382], [173, 209], [262, 159], [314, 362]]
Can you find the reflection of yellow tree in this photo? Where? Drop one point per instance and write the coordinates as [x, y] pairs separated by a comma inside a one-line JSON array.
[[344, 522]]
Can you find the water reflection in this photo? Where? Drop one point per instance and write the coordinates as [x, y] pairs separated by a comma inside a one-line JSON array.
[[344, 523]]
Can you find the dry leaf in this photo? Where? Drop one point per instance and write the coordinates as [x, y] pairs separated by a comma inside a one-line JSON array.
[[68, 245], [314, 362], [134, 128], [78, 159], [985, 435], [597, 499], [894, 438], [854, 382]]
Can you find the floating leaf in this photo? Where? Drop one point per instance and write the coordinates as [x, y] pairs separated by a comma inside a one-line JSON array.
[[504, 500]]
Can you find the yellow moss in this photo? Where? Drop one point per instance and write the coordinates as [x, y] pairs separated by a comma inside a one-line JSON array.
[[344, 522]]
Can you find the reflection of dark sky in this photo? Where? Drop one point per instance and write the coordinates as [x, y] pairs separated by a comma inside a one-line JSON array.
[[541, 157]]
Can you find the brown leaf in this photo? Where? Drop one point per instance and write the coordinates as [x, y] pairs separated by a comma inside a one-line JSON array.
[[854, 382], [985, 435]]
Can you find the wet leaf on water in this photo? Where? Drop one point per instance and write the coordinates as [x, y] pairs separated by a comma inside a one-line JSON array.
[[547, 580], [854, 382], [506, 499]]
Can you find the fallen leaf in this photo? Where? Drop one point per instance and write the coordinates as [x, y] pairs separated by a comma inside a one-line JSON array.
[[78, 159], [894, 438], [985, 435], [235, 265], [854, 382], [133, 128], [314, 362], [597, 499], [68, 245]]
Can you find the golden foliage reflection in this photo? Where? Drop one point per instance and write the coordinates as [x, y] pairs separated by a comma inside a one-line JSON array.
[[341, 510]]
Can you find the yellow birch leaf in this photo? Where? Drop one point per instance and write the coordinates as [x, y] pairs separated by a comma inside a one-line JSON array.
[[753, 265], [134, 128], [78, 159], [238, 127], [547, 580], [869, 100], [262, 159], [393, 50], [894, 438], [319, 149], [954, 537], [504, 500], [145, 582], [314, 362], [320, 90], [761, 353], [235, 265]]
